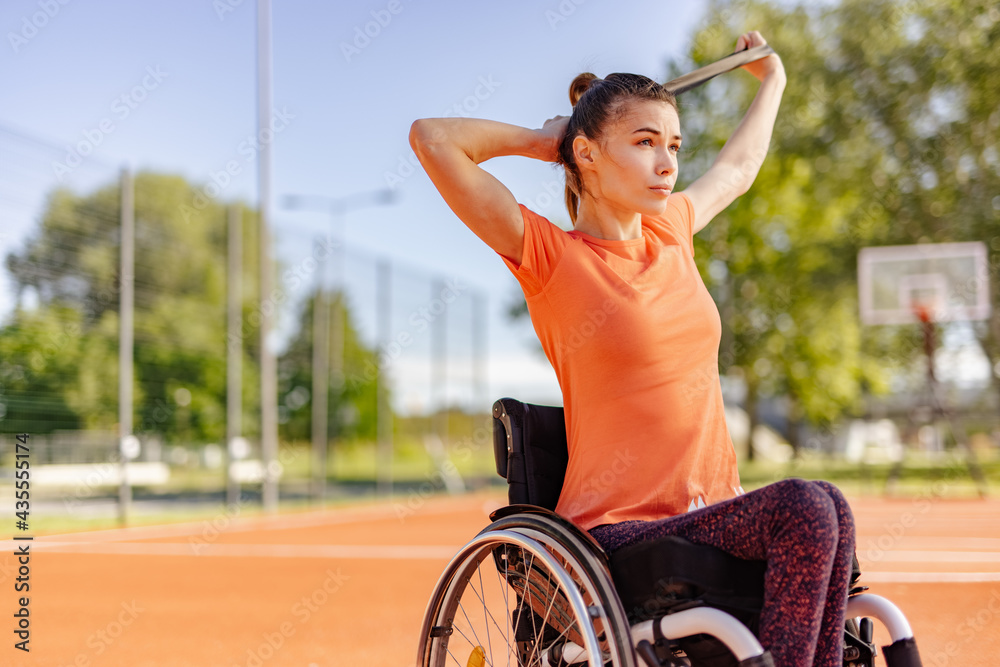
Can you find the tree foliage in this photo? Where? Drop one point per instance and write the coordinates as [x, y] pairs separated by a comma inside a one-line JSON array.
[[353, 398], [886, 136], [59, 356]]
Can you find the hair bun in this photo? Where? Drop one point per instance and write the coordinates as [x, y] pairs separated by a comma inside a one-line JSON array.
[[580, 85]]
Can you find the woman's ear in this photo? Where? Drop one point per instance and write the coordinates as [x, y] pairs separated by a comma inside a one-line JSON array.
[[583, 151]]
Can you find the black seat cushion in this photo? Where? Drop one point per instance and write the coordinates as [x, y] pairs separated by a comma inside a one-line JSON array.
[[655, 576]]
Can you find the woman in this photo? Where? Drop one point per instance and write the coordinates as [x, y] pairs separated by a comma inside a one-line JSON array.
[[633, 335]]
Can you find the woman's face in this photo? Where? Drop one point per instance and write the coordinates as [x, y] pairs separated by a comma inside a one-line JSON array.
[[634, 165]]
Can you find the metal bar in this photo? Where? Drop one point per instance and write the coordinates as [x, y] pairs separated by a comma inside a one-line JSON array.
[[702, 74], [125, 338], [234, 349], [268, 363]]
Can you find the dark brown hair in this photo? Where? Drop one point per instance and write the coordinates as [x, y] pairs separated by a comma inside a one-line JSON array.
[[595, 103]]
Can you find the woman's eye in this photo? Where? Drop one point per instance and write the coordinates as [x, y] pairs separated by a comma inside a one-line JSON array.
[[675, 148], [646, 142]]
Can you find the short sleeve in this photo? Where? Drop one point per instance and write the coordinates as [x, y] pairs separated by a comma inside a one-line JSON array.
[[543, 247], [677, 221]]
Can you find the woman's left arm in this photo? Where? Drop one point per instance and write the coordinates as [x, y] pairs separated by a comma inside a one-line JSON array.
[[737, 164]]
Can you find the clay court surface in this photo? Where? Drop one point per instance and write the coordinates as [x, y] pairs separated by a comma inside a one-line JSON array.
[[348, 586]]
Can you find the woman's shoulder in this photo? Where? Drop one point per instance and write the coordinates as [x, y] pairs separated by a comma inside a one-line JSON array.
[[543, 229]]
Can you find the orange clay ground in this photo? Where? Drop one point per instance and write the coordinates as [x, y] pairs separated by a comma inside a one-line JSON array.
[[348, 586]]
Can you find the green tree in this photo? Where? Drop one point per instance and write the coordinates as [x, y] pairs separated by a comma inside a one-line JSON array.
[[887, 134], [876, 144], [72, 265], [39, 354], [59, 361], [352, 397]]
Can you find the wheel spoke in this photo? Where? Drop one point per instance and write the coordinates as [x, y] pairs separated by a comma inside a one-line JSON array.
[[486, 612], [472, 628], [545, 620], [527, 591], [506, 605], [537, 570]]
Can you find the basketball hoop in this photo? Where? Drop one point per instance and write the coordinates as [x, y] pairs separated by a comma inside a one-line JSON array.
[[947, 282], [926, 284], [922, 312]]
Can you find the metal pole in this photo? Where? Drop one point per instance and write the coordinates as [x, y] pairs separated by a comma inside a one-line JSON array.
[[125, 339], [321, 383], [438, 363], [268, 364], [383, 410], [479, 352], [338, 329], [234, 350]]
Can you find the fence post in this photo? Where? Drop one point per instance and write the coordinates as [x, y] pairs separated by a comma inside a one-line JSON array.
[[234, 350], [383, 462], [125, 340]]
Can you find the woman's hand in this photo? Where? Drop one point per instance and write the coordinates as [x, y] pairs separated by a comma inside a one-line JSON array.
[[765, 67], [551, 134]]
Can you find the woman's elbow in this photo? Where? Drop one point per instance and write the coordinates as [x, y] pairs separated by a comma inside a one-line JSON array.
[[424, 133]]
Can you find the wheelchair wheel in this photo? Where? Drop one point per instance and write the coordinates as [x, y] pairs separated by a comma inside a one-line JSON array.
[[516, 595]]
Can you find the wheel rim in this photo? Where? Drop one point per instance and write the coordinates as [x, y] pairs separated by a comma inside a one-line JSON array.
[[474, 603]]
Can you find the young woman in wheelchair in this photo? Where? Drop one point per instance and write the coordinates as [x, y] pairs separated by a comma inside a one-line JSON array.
[[633, 335]]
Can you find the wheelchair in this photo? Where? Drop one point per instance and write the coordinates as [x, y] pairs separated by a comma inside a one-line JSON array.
[[533, 589]]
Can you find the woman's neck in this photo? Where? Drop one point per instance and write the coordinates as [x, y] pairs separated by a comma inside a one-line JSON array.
[[601, 219]]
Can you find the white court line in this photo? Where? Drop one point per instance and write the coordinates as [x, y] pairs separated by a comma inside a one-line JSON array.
[[343, 551], [927, 577], [242, 524], [901, 556], [930, 543]]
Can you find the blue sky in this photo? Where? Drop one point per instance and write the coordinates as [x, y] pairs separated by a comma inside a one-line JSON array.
[[187, 70]]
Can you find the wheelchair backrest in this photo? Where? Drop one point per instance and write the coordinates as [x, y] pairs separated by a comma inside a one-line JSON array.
[[529, 445]]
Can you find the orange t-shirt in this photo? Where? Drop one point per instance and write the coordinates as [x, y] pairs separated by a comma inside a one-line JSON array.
[[633, 336]]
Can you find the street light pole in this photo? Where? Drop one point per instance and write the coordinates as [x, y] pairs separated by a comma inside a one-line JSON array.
[[268, 363]]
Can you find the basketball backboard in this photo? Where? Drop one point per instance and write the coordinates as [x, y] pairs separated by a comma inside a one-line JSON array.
[[949, 281]]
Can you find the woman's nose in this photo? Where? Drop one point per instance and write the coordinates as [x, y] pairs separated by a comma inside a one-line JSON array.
[[667, 163]]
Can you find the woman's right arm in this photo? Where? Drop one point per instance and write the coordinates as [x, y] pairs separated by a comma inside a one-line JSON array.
[[450, 150]]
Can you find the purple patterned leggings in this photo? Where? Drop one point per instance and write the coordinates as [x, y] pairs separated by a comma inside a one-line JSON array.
[[805, 532]]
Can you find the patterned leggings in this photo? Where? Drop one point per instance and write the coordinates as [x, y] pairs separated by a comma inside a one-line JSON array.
[[805, 532]]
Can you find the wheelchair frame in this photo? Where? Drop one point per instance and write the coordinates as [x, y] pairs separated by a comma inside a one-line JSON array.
[[563, 584]]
